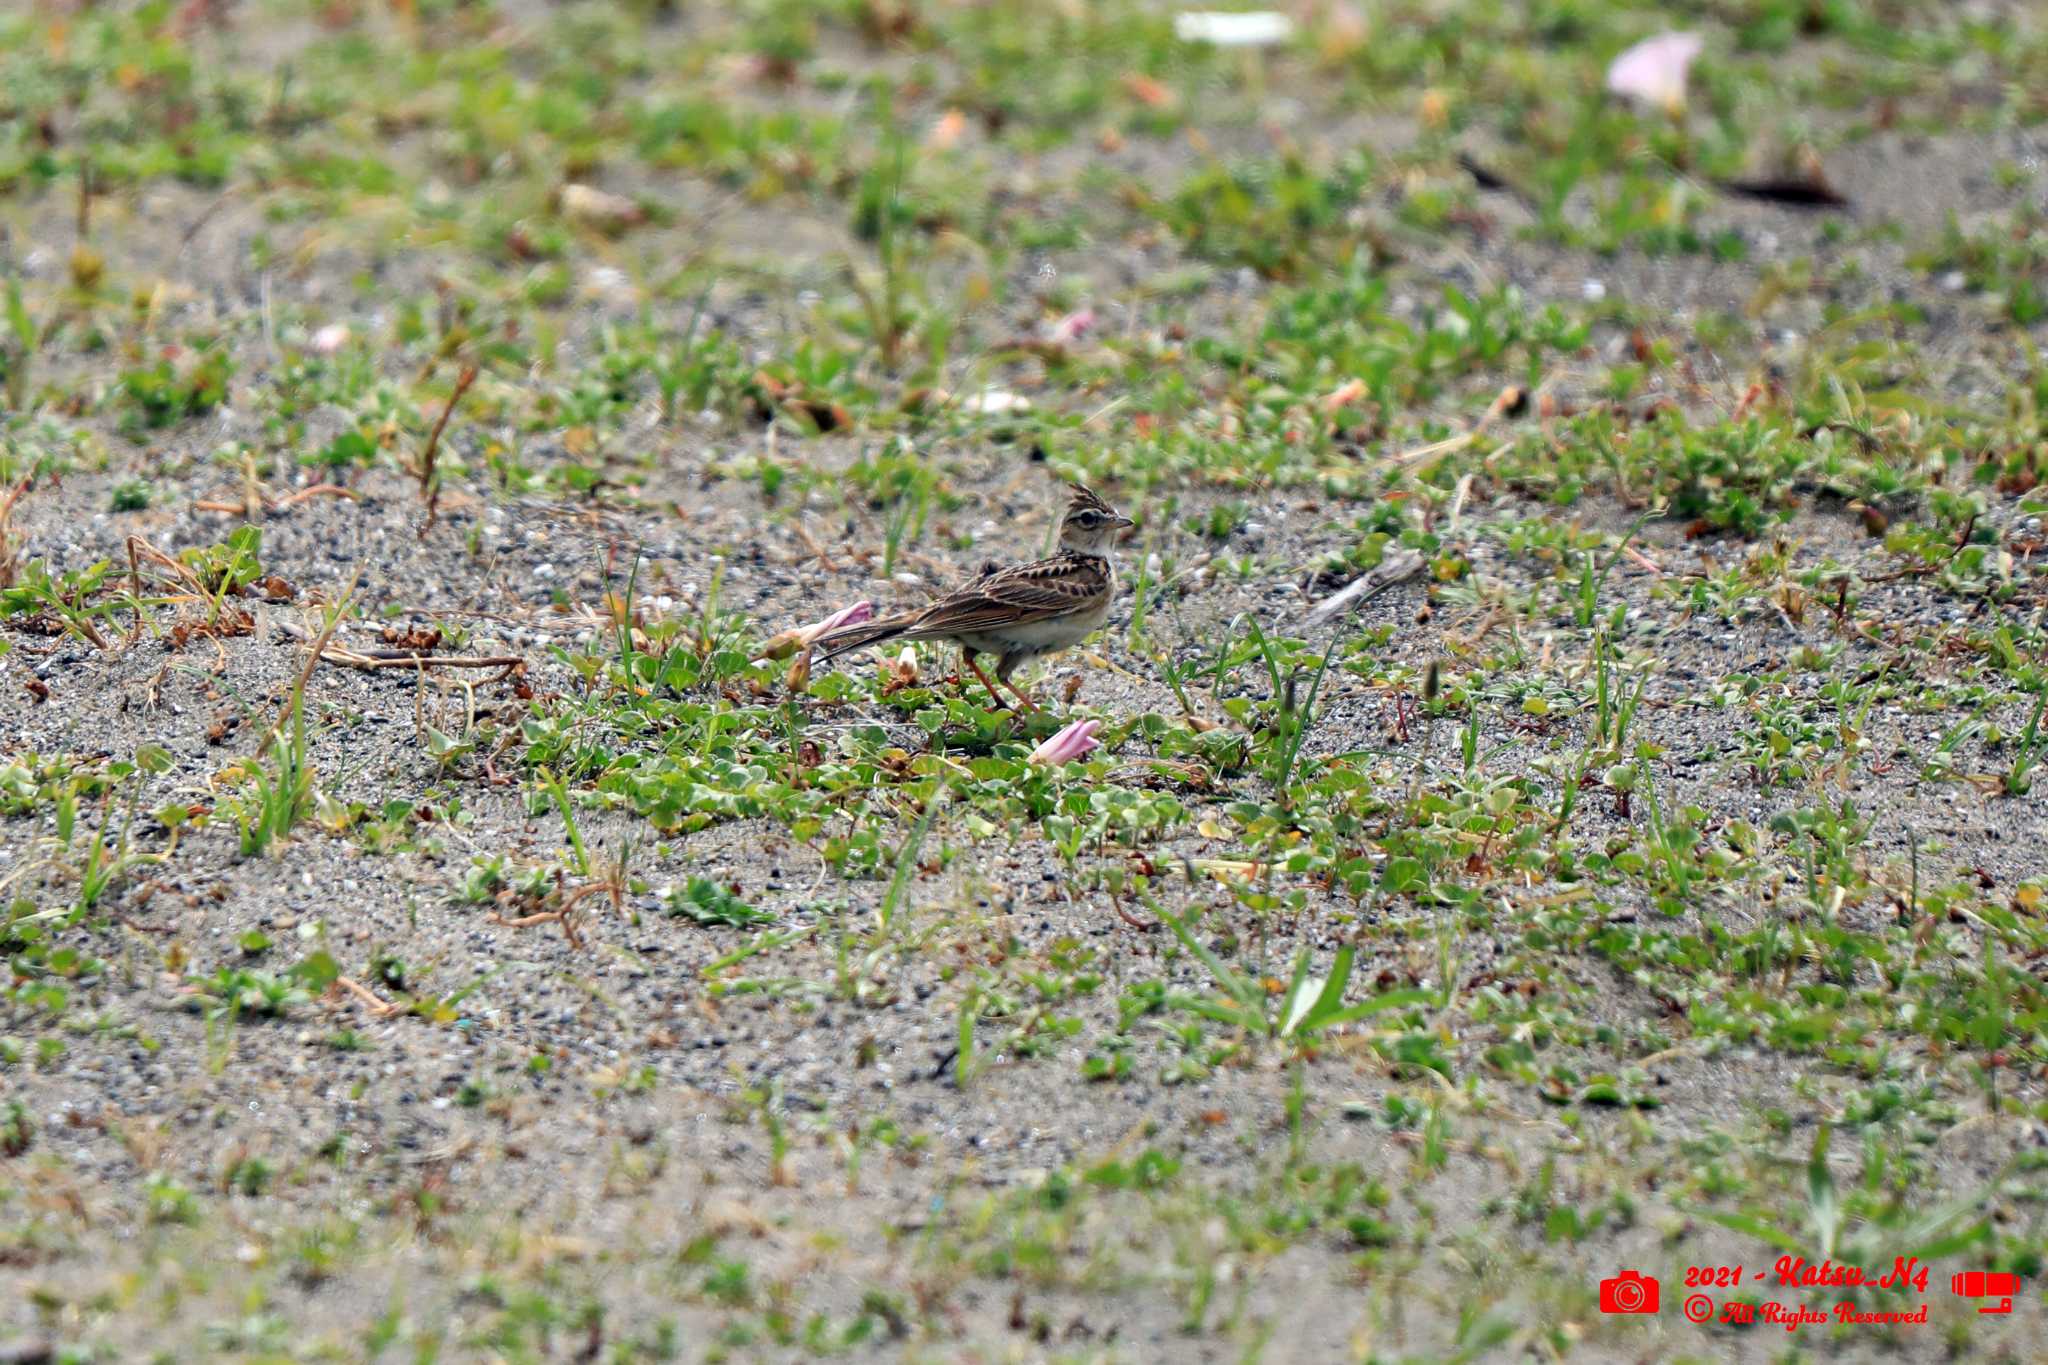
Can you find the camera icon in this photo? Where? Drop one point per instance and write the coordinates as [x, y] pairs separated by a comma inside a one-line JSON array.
[[1630, 1292]]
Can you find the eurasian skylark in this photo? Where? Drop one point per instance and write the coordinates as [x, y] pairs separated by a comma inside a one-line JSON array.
[[1016, 612]]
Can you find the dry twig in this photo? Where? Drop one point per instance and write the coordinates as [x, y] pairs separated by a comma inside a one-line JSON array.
[[383, 1009], [1394, 569], [312, 660], [393, 658], [428, 488], [7, 554]]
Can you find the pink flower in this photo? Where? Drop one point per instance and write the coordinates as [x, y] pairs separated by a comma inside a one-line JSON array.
[[803, 637], [330, 339], [1072, 327], [854, 615], [1653, 72], [1069, 744]]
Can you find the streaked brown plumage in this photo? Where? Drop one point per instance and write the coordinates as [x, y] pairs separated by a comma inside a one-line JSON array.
[[1019, 611]]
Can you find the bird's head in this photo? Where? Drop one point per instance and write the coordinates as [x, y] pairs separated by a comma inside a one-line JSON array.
[[1091, 525]]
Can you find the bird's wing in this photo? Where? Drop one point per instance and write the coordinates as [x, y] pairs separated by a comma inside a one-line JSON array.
[[1017, 595]]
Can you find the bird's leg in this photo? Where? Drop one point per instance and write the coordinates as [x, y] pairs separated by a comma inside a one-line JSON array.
[[1004, 668], [967, 657], [1022, 700]]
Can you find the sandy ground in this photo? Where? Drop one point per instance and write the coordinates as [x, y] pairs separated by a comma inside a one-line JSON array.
[[554, 1167]]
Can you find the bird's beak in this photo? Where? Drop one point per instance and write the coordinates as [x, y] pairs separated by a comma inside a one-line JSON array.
[[1123, 523]]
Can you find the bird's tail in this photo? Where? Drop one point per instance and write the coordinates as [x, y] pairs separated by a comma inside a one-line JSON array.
[[849, 638]]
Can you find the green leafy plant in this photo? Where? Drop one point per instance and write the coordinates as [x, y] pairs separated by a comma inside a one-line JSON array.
[[705, 902], [282, 787], [192, 384], [1308, 1007], [76, 601]]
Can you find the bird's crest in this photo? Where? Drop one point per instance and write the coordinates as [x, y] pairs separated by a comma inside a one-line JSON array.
[[1085, 497]]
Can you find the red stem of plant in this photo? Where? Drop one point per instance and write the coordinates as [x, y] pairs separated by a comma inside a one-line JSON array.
[[428, 489]]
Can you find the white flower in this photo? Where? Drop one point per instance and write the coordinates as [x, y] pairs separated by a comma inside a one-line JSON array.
[[1256, 28], [1654, 71]]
